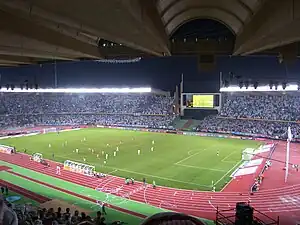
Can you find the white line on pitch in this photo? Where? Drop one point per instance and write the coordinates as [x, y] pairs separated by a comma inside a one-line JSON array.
[[115, 170], [190, 156], [226, 157], [162, 178], [200, 168], [228, 172]]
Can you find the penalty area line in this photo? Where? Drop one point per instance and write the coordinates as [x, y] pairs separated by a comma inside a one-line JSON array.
[[200, 168], [228, 156], [218, 181], [190, 156], [111, 172]]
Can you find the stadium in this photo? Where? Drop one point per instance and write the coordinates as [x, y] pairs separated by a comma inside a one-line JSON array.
[[176, 112], [172, 166]]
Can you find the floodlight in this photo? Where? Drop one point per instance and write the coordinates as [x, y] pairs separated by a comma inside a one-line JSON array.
[[271, 84], [284, 85], [246, 84], [241, 84]]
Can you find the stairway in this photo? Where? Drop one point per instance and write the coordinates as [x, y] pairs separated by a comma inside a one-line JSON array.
[[187, 124]]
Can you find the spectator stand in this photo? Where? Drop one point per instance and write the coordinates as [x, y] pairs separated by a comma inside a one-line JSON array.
[[58, 109], [264, 114]]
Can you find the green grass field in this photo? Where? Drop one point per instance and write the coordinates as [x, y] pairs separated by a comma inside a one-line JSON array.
[[189, 162]]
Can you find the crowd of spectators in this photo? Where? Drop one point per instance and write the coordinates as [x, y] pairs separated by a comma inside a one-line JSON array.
[[162, 122], [259, 114], [246, 113], [261, 106], [49, 103], [138, 110], [270, 129], [25, 214]]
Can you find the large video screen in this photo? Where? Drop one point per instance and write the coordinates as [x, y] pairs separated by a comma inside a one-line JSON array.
[[203, 101]]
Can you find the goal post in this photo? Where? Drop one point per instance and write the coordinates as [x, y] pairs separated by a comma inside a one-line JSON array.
[[82, 168]]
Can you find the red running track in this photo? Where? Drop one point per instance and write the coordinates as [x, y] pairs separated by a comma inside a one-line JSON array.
[[272, 201]]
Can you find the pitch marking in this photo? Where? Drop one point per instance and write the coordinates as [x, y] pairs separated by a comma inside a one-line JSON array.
[[190, 156], [228, 172], [115, 170], [191, 151], [200, 168], [186, 158], [162, 178], [226, 157]]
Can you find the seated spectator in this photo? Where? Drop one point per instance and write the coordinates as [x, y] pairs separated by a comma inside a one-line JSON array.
[[7, 215], [67, 214], [75, 218], [98, 218]]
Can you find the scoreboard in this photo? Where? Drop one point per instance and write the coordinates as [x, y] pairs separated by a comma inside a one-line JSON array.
[[206, 101], [203, 101]]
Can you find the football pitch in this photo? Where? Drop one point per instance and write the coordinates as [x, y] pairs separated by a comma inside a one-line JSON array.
[[188, 162]]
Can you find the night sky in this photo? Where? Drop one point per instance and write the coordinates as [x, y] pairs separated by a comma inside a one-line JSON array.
[[163, 73]]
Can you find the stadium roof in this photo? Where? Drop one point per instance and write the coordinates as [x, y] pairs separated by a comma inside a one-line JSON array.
[[37, 30]]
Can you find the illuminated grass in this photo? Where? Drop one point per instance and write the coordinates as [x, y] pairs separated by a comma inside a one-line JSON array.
[[189, 162]]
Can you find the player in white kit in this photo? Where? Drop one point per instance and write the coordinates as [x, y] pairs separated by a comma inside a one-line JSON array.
[[139, 152], [58, 170], [152, 149], [153, 142]]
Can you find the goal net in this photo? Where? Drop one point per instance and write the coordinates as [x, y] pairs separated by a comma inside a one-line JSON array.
[[49, 130], [6, 149], [37, 157], [76, 167]]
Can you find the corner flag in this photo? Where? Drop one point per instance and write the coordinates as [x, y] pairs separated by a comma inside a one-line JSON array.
[[290, 136]]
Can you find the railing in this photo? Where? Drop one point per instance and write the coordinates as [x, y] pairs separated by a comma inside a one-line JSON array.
[[259, 218], [265, 167]]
